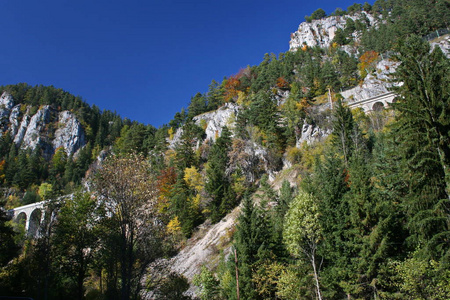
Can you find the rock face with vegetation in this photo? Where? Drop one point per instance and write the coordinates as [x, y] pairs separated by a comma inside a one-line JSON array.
[[322, 32], [6, 105], [214, 121], [268, 179], [38, 130], [378, 82], [70, 134]]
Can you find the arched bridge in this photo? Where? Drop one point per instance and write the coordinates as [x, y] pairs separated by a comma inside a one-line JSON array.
[[31, 214], [374, 103]]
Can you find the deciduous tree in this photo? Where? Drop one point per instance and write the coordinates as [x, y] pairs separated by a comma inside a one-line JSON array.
[[303, 232], [127, 190]]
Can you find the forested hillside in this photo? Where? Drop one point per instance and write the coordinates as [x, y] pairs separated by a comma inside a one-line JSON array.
[[334, 202]]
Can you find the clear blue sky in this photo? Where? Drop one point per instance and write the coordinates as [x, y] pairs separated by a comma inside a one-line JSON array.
[[143, 59]]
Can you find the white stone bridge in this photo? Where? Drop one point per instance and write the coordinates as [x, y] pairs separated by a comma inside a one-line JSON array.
[[31, 214], [374, 103]]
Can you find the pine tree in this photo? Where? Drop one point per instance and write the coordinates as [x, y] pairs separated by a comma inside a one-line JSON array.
[[329, 186], [424, 96], [246, 245], [253, 244], [343, 124], [285, 198], [214, 96], [197, 106], [218, 184]]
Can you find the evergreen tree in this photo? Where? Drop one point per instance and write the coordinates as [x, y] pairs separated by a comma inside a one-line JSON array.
[[252, 244], [214, 95], [343, 124], [218, 184], [197, 106], [424, 96], [328, 186], [285, 198], [8, 247]]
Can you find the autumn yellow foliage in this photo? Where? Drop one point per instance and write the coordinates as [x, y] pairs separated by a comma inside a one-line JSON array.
[[174, 226], [193, 179], [171, 133]]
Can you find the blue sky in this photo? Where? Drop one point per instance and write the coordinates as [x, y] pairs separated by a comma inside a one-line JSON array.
[[142, 59]]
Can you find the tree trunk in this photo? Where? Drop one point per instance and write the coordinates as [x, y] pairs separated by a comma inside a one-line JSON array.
[[316, 275], [237, 274]]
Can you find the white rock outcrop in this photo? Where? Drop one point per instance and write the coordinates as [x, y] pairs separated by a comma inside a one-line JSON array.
[[203, 250], [46, 128], [14, 120], [311, 134], [6, 104], [216, 120], [212, 122], [18, 138], [321, 32], [70, 133], [443, 43], [36, 132]]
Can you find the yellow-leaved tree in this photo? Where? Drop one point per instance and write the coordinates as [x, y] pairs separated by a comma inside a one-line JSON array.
[[302, 232]]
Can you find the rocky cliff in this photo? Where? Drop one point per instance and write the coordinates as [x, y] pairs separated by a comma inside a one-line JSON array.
[[212, 122], [321, 32], [46, 127]]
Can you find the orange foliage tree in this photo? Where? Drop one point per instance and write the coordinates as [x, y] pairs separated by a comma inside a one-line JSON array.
[[367, 62], [164, 187], [232, 85], [282, 83]]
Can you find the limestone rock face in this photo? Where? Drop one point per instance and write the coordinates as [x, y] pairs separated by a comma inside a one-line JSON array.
[[47, 128], [37, 134], [212, 122], [379, 82], [14, 120], [201, 252], [321, 32], [250, 158], [70, 133], [216, 120], [6, 104], [312, 133], [443, 43], [18, 138]]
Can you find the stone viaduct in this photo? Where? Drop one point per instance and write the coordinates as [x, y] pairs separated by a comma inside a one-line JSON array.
[[31, 214], [374, 103]]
